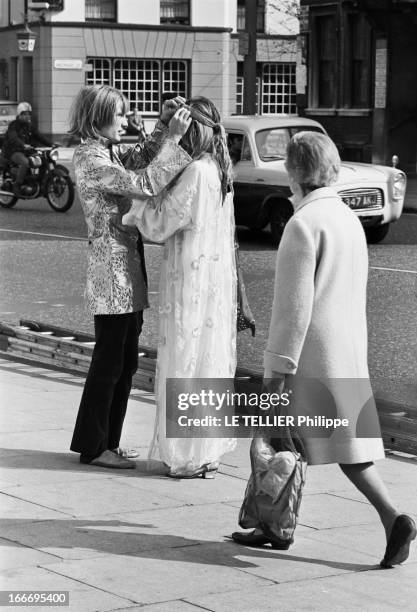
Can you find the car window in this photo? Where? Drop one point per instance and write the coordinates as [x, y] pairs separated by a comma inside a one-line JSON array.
[[246, 152], [306, 128], [272, 143], [235, 146]]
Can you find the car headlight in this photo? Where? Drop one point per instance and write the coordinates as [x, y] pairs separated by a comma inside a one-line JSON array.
[[54, 154], [398, 185]]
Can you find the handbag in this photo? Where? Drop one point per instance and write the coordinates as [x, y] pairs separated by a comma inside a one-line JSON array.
[[244, 316], [274, 490]]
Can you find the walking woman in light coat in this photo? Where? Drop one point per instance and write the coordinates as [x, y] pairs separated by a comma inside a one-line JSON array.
[[318, 333]]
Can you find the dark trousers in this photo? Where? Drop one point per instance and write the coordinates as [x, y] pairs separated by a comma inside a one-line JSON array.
[[23, 162], [109, 380]]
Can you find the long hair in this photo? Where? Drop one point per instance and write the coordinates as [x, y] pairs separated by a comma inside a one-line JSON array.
[[207, 135], [94, 108]]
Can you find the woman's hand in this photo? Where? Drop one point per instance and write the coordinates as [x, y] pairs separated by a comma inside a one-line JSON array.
[[170, 107], [273, 382], [135, 211], [179, 124]]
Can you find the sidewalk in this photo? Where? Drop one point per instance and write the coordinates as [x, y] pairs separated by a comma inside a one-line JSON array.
[[134, 540]]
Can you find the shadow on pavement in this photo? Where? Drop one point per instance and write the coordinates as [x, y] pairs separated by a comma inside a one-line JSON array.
[[32, 459], [98, 536]]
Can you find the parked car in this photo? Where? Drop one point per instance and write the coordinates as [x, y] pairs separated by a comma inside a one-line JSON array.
[[257, 146], [7, 114]]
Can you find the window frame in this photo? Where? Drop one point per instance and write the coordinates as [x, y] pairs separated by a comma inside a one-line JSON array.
[[291, 102], [314, 72], [117, 81], [343, 99], [176, 19], [260, 89], [348, 77], [260, 16], [100, 6]]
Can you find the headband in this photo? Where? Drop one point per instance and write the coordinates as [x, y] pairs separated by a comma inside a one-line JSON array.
[[204, 119]]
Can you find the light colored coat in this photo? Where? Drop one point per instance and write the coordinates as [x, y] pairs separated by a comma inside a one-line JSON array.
[[318, 330], [108, 177]]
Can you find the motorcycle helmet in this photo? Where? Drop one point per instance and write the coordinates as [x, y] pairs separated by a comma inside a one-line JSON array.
[[23, 107]]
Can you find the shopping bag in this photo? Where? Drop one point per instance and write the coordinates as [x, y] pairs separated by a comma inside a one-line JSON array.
[[274, 490]]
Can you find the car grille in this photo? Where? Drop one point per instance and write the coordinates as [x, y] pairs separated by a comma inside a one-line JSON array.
[[363, 199]]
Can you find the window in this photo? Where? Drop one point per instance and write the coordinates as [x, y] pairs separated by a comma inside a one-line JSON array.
[[239, 149], [272, 143], [174, 77], [341, 64], [100, 74], [100, 10], [326, 65], [358, 59], [260, 17], [175, 11], [138, 80], [142, 81], [278, 89], [239, 93]]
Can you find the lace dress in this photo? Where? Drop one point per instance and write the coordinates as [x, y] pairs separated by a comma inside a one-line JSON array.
[[197, 298]]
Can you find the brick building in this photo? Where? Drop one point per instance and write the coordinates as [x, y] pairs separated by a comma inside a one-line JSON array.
[[144, 47], [358, 60]]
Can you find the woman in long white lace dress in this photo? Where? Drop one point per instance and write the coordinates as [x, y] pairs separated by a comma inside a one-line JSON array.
[[197, 294]]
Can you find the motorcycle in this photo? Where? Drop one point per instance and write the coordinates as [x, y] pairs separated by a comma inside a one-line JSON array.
[[44, 178]]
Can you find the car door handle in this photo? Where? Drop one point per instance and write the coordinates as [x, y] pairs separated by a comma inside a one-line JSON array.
[[260, 180]]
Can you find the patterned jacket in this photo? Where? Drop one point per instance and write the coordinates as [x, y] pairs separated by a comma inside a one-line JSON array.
[[107, 178]]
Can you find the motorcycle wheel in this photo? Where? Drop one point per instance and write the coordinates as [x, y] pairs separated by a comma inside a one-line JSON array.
[[7, 201], [59, 191]]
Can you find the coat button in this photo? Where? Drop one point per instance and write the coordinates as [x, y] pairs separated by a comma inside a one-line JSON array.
[[290, 365]]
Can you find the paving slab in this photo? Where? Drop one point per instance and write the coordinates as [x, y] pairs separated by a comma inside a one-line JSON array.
[[371, 591], [151, 577], [304, 560], [83, 597], [15, 509], [93, 496], [48, 439], [169, 606], [13, 555], [191, 491], [324, 511], [368, 539]]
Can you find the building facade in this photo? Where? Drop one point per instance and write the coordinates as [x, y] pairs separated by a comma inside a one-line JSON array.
[[144, 48], [360, 79]]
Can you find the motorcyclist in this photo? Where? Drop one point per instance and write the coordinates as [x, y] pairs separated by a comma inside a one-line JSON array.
[[19, 140]]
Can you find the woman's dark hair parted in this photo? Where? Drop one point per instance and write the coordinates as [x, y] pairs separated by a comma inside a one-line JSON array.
[[94, 108]]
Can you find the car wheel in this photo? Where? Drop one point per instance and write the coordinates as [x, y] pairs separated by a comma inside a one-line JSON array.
[[280, 215], [376, 234]]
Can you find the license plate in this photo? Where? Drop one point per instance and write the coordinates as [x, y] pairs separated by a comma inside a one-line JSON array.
[[361, 201]]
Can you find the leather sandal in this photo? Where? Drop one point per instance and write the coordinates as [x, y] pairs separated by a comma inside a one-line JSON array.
[[207, 471], [403, 532]]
